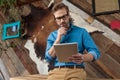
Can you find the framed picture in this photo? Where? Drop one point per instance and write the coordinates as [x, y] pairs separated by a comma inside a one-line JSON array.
[[105, 6], [11, 30]]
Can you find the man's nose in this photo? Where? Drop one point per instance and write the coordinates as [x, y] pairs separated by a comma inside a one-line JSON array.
[[62, 20]]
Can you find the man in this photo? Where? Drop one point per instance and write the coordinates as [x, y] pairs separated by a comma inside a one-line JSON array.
[[67, 33]]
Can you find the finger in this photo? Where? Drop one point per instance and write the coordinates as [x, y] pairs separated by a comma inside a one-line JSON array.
[[80, 56], [76, 60]]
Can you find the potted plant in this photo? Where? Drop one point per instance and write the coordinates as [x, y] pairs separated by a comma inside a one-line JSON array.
[[12, 23]]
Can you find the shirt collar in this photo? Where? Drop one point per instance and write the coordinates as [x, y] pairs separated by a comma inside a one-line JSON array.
[[71, 27]]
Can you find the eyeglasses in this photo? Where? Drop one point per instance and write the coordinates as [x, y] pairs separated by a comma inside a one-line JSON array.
[[61, 17]]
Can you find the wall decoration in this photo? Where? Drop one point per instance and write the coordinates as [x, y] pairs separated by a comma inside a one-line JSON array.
[[11, 30], [105, 6]]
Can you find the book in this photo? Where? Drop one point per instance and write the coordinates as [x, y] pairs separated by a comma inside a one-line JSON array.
[[65, 50]]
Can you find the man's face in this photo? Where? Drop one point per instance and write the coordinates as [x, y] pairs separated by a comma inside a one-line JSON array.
[[62, 18]]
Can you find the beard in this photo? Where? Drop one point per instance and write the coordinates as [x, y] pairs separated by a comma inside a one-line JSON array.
[[64, 24]]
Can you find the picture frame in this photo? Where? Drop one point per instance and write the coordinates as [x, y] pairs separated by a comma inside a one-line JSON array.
[[11, 30], [101, 7]]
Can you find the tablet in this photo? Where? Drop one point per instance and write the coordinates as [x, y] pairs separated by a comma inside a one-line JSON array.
[[65, 50]]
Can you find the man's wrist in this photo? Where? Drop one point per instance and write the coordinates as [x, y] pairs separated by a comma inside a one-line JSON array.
[[88, 57], [57, 40]]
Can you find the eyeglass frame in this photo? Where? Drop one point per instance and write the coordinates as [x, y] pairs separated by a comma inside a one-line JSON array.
[[61, 17]]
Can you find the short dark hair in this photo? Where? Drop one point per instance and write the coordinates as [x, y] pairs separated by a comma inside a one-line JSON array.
[[60, 6]]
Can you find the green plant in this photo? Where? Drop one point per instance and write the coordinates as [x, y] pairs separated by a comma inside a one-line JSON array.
[[10, 10], [14, 14], [7, 2]]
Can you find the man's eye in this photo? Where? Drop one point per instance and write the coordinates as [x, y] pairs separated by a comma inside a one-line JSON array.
[[62, 17]]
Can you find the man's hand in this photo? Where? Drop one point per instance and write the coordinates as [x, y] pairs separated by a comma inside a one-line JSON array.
[[62, 31], [77, 58]]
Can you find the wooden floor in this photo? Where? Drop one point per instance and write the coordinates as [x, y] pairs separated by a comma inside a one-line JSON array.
[[44, 77], [86, 5], [108, 66]]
